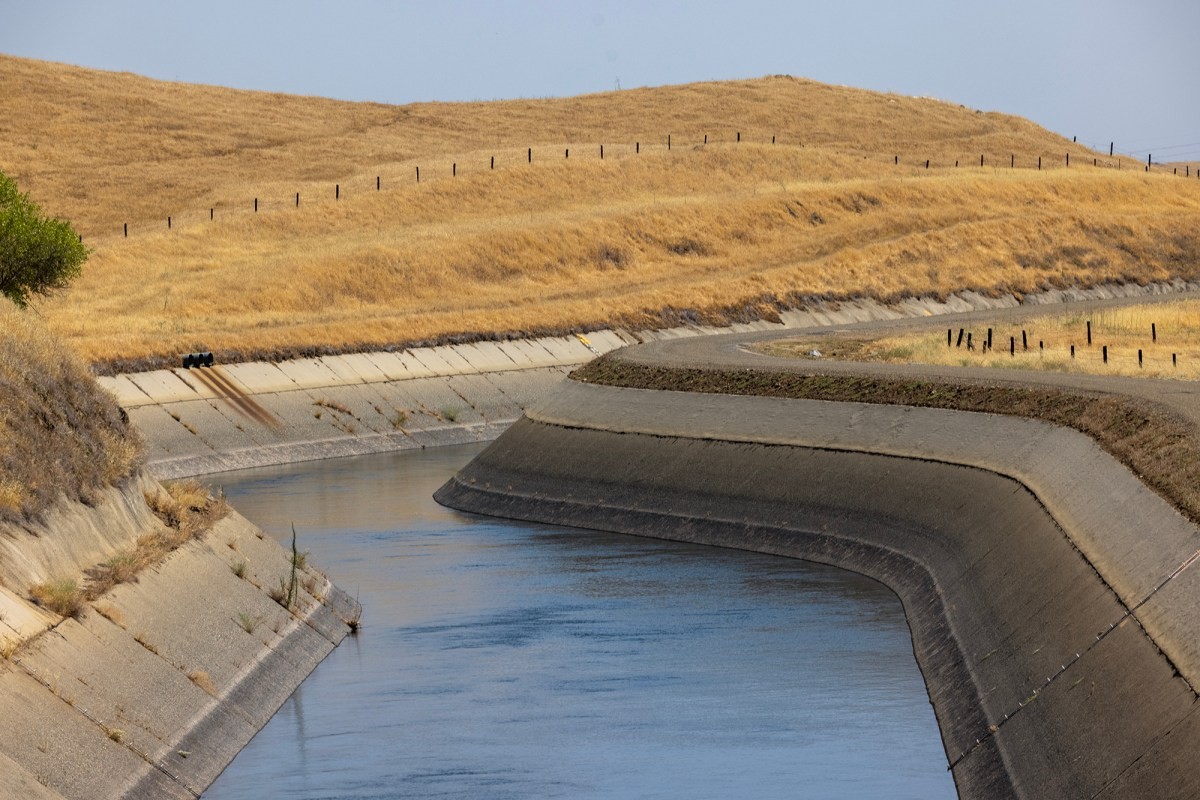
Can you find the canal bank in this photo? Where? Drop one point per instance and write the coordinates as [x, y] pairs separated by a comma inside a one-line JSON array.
[[982, 640], [1048, 590], [150, 688], [232, 416]]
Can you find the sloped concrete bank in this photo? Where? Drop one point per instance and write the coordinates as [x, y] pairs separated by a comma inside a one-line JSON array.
[[1050, 594], [154, 687], [234, 416]]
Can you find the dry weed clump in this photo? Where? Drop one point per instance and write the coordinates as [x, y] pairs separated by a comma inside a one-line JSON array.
[[64, 596], [60, 434], [187, 508]]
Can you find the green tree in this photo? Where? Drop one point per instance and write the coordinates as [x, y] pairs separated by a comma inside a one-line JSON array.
[[37, 254]]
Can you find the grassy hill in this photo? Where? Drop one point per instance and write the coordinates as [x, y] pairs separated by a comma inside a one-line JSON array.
[[648, 235]]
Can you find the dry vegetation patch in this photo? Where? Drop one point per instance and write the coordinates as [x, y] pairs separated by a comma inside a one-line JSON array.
[[60, 434], [187, 510]]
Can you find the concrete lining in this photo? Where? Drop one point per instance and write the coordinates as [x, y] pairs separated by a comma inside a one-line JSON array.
[[1029, 561], [158, 683]]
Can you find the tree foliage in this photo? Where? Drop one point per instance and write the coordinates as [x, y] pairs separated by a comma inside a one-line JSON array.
[[38, 254]]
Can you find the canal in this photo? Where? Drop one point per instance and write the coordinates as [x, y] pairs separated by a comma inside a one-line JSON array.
[[506, 660]]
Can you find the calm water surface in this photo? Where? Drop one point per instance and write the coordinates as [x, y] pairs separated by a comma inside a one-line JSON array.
[[502, 660]]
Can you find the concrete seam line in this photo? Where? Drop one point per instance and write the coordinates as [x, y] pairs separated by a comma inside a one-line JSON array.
[[133, 780]]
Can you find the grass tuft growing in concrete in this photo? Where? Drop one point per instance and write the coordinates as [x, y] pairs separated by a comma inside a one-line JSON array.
[[64, 596]]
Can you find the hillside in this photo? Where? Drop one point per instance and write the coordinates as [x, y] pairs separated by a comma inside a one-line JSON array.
[[647, 235]]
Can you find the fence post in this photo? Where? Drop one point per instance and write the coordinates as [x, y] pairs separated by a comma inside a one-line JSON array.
[[1110, 149], [1012, 161], [668, 141], [927, 163], [1039, 163], [529, 155], [126, 230], [297, 199], [454, 170], [1068, 159], [377, 183], [211, 211], [897, 160], [418, 174], [567, 153], [493, 162], [168, 223], [601, 152], [706, 138], [981, 159], [637, 146], [256, 205], [337, 191], [772, 138]]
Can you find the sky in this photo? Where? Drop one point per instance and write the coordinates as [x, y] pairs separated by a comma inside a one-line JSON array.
[[1103, 71]]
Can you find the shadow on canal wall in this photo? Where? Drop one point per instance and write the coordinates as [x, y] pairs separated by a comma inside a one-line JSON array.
[[1047, 589]]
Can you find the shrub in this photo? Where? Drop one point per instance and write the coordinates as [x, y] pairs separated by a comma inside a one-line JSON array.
[[37, 254]]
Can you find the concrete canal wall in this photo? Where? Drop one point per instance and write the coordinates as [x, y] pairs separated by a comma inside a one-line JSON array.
[[154, 686], [232, 416], [1050, 594]]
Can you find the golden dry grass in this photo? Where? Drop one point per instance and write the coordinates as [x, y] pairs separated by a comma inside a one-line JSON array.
[[1168, 334], [60, 434], [708, 232]]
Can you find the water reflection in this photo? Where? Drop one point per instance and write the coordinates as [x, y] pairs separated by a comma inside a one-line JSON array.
[[501, 660]]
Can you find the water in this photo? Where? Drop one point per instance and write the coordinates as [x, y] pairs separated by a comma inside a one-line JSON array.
[[502, 660]]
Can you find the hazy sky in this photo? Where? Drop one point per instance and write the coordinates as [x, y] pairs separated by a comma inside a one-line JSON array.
[[1102, 70]]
